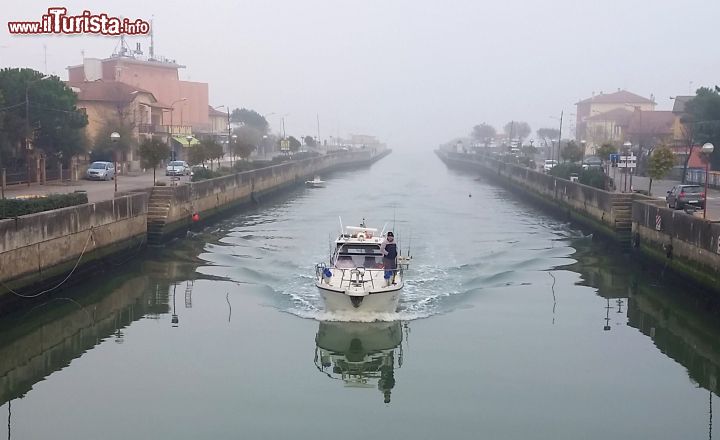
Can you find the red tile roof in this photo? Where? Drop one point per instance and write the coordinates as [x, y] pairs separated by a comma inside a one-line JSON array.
[[620, 116], [619, 97], [660, 122], [109, 91], [214, 112]]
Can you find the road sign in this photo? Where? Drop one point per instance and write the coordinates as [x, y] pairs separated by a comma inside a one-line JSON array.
[[284, 145], [627, 161], [658, 222]]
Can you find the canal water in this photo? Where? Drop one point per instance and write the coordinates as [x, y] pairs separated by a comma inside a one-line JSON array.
[[512, 325]]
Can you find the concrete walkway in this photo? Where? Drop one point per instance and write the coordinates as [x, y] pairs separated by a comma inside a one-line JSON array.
[[96, 190], [100, 190], [661, 187]]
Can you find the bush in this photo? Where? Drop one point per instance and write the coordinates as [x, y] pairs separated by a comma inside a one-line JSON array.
[[592, 177], [204, 174], [11, 208]]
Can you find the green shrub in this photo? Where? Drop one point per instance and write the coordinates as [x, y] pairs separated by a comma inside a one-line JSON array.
[[11, 208], [204, 174], [592, 177]]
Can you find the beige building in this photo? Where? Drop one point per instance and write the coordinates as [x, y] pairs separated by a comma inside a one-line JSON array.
[[116, 106], [601, 117]]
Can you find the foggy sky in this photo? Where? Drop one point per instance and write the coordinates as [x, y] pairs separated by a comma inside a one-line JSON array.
[[414, 73]]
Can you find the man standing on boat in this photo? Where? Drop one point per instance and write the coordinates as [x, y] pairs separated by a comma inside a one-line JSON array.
[[388, 248]]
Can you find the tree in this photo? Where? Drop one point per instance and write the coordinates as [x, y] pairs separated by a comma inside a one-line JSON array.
[[517, 130], [197, 154], [55, 124], [249, 135], [528, 150], [310, 141], [605, 150], [105, 148], [251, 118], [243, 149], [294, 144], [212, 150], [152, 153], [483, 133], [571, 152], [703, 115], [660, 162], [688, 139]]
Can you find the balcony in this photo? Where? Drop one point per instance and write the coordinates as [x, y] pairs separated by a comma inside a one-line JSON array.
[[164, 129]]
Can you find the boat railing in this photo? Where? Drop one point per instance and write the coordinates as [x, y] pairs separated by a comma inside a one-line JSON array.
[[355, 276]]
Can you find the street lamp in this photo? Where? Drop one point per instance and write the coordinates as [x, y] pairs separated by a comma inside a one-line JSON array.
[[627, 145], [232, 148], [583, 144], [707, 150], [114, 138]]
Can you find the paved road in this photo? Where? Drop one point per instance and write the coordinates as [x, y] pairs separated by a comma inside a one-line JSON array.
[[661, 187], [96, 190]]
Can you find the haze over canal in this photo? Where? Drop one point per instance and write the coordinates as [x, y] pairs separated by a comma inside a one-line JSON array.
[[512, 325]]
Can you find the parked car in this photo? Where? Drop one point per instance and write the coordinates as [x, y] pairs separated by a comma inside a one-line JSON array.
[[100, 171], [549, 164], [592, 163], [177, 168], [682, 195], [198, 167]]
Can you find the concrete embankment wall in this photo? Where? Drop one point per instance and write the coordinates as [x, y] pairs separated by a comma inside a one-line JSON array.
[[212, 196], [606, 212], [683, 243], [38, 251], [38, 247]]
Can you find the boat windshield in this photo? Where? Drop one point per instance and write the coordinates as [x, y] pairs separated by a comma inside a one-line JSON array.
[[350, 256]]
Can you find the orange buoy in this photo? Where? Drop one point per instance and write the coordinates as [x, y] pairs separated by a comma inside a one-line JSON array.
[[196, 217]]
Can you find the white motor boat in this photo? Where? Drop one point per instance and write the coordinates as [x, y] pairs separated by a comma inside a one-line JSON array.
[[360, 354], [355, 279], [315, 183]]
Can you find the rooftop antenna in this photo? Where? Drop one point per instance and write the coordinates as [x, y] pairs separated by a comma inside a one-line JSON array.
[[152, 38]]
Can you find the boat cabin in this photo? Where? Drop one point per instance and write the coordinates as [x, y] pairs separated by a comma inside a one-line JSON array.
[[358, 247], [350, 256]]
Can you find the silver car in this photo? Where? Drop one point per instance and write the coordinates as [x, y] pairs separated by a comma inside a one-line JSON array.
[[177, 168], [100, 171], [681, 196]]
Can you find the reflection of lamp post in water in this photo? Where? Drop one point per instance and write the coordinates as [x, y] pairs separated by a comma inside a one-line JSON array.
[[607, 316], [174, 319]]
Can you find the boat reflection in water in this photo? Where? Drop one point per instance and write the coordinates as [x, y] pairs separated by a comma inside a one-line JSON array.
[[361, 354]]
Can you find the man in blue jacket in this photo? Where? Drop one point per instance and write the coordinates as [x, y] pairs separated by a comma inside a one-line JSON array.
[[389, 250]]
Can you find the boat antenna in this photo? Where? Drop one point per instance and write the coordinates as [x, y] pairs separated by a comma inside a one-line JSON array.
[[394, 210], [383, 229], [342, 230], [409, 243]]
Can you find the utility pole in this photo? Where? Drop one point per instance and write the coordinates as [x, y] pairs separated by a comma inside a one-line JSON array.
[[227, 107], [560, 136]]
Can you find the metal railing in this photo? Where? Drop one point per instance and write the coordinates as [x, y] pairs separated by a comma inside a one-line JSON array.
[[356, 276]]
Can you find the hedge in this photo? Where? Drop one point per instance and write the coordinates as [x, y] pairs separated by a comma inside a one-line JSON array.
[[11, 208]]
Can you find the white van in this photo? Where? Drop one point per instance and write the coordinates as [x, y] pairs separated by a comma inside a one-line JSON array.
[[549, 164]]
